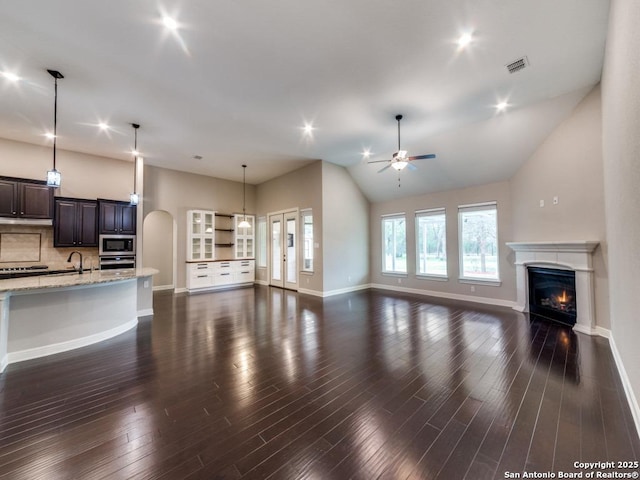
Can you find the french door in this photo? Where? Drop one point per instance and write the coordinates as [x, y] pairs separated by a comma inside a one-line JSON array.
[[283, 243]]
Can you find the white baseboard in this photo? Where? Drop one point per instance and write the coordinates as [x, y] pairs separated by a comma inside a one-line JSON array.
[[330, 293], [30, 353], [160, 288], [626, 383], [449, 296], [262, 282], [145, 313], [3, 363], [181, 290]]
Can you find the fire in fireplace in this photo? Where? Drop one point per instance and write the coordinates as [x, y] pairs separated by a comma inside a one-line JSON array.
[[552, 294]]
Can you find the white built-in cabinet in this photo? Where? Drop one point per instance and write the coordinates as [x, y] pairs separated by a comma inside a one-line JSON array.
[[245, 237], [201, 236], [219, 254]]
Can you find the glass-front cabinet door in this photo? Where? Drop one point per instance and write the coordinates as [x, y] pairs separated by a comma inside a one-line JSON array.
[[244, 236], [201, 228]]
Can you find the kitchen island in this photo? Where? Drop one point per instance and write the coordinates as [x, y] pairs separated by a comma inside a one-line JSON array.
[[49, 314]]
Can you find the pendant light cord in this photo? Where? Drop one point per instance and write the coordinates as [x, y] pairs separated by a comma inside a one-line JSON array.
[[244, 192], [135, 155], [55, 119]]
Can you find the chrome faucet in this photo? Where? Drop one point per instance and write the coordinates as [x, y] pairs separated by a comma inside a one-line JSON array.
[[79, 269]]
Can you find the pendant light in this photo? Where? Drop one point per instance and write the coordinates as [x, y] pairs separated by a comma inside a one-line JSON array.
[[244, 223], [134, 197], [53, 175]]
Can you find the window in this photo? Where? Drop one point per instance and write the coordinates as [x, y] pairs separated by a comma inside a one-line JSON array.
[[261, 240], [394, 244], [307, 240], [478, 227], [431, 242]]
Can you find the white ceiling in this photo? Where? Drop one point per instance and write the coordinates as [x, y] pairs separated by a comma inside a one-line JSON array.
[[238, 80]]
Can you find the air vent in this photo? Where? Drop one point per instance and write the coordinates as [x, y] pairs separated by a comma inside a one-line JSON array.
[[197, 157], [518, 65]]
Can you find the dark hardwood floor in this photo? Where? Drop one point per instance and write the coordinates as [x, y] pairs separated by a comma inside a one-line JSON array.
[[266, 383]]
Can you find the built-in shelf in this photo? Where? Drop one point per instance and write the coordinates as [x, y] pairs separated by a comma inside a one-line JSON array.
[[224, 229], [224, 244]]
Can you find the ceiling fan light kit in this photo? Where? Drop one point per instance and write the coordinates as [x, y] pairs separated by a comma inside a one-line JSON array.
[[400, 159]]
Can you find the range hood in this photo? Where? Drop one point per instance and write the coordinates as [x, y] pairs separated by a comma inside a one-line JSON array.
[[35, 222]]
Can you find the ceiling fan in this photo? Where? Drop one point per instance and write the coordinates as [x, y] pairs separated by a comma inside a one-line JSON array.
[[400, 160]]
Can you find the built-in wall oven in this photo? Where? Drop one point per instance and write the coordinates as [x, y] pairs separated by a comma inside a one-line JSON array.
[[117, 251]]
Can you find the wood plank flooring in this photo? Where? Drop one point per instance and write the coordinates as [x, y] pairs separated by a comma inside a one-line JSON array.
[[266, 383]]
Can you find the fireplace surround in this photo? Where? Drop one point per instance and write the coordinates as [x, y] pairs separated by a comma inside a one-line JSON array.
[[576, 256]]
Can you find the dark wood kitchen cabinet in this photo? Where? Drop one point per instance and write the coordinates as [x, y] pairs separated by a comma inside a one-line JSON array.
[[23, 198], [75, 223], [116, 218]]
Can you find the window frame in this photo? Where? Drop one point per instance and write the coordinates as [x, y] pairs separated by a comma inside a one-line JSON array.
[[432, 212], [477, 207], [383, 219], [307, 212], [261, 242]]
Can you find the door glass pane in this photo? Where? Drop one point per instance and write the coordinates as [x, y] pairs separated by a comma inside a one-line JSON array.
[[195, 248], [208, 248], [276, 251], [291, 250], [208, 223], [197, 221]]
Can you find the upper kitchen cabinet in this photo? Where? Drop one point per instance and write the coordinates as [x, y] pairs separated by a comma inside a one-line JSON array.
[[75, 223], [23, 198], [116, 218]]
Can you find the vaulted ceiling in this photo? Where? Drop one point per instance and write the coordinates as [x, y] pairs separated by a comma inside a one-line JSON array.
[[236, 82]]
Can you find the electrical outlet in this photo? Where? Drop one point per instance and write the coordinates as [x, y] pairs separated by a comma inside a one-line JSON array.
[[473, 288], [541, 203], [399, 280], [555, 200], [146, 284], [307, 281], [349, 278]]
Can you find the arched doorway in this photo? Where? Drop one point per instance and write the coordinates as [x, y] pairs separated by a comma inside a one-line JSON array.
[[158, 247]]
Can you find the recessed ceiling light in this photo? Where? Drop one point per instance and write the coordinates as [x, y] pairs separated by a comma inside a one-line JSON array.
[[135, 153], [12, 77], [103, 126], [502, 106], [50, 135], [308, 128], [464, 40], [366, 153], [170, 23]]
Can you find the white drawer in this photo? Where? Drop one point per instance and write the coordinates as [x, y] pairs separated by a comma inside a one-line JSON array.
[[223, 278], [200, 281], [245, 276]]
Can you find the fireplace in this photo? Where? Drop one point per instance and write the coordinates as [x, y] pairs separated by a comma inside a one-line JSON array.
[[576, 257], [552, 294]]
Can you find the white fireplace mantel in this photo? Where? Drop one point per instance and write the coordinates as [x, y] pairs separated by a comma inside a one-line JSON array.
[[576, 256]]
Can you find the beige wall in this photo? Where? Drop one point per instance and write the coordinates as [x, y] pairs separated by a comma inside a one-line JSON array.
[[83, 175], [450, 200], [177, 192], [567, 165], [621, 148], [158, 246], [301, 189], [345, 235]]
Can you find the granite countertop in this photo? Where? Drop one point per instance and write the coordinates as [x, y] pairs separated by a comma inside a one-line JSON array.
[[73, 279]]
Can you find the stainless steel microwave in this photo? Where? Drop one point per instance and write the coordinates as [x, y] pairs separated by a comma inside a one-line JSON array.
[[117, 245]]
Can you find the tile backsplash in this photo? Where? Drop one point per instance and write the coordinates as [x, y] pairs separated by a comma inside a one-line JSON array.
[[26, 245]]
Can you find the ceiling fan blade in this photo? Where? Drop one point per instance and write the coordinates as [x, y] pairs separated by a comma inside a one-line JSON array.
[[422, 157], [378, 161], [411, 166], [384, 168]]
